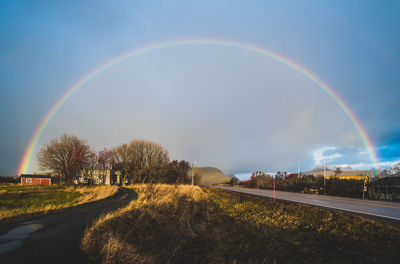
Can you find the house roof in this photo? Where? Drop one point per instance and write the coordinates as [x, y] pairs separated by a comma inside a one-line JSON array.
[[35, 176], [356, 173]]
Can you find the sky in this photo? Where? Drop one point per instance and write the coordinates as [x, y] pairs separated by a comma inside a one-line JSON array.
[[217, 105]]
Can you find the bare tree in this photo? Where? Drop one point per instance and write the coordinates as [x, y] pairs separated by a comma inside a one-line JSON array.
[[67, 156], [142, 161], [149, 161], [178, 172], [121, 160]]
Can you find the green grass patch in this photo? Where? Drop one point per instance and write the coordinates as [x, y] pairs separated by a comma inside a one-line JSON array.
[[18, 202], [12, 197]]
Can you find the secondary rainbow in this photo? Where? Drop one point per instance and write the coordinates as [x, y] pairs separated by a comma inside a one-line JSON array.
[[29, 151]]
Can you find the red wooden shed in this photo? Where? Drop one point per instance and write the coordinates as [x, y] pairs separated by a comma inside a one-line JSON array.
[[35, 179]]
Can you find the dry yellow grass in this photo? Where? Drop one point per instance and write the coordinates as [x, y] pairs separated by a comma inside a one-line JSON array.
[[18, 202], [187, 224], [166, 224], [95, 193]]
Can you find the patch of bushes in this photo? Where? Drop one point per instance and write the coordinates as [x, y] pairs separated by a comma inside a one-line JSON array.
[[308, 184]]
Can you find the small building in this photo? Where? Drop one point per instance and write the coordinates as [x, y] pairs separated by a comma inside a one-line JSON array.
[[98, 176], [349, 176], [35, 179], [345, 175]]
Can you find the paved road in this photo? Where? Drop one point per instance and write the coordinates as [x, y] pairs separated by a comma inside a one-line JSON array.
[[55, 238], [388, 210]]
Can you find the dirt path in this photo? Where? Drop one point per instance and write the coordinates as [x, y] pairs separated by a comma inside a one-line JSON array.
[[55, 238]]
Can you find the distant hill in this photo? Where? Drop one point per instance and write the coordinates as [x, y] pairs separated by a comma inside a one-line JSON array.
[[392, 171], [328, 167], [210, 176], [330, 170]]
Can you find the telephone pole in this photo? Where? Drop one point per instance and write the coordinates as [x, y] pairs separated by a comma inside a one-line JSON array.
[[298, 170], [324, 180], [193, 165], [274, 186]]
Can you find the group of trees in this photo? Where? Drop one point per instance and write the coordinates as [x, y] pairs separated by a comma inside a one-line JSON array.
[[259, 180], [147, 162], [307, 183], [139, 161], [10, 179]]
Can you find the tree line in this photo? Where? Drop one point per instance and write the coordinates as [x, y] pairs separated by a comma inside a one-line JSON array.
[[139, 161], [306, 184]]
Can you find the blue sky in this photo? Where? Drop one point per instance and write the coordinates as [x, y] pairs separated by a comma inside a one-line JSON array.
[[46, 46]]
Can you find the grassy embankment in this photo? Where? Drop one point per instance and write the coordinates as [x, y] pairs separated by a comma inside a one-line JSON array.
[[185, 224], [19, 202], [209, 176]]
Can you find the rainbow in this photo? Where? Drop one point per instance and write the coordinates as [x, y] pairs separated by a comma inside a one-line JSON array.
[[27, 157]]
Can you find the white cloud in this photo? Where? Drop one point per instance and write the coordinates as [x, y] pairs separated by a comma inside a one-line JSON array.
[[320, 157], [343, 157]]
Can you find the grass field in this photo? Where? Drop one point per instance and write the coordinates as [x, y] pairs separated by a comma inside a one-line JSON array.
[[18, 202], [186, 224]]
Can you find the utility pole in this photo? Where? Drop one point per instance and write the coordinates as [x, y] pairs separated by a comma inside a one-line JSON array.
[[364, 188], [274, 187], [193, 165], [299, 169], [324, 180]]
